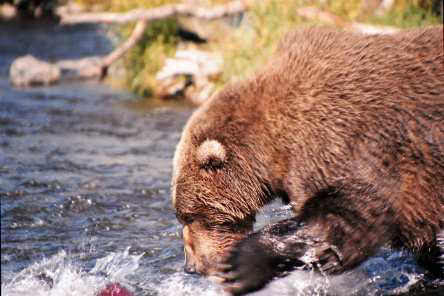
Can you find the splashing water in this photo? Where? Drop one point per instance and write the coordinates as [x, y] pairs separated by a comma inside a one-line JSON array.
[[62, 275], [187, 286]]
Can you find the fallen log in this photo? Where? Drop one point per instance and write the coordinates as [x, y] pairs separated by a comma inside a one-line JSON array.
[[314, 13], [157, 13]]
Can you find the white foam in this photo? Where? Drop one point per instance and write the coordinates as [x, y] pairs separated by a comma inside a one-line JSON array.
[[65, 277], [180, 284]]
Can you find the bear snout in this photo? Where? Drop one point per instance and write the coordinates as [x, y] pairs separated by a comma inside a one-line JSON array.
[[189, 267], [205, 248]]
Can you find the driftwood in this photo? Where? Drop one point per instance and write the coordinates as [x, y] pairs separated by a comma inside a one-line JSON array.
[[124, 47], [329, 18], [153, 14]]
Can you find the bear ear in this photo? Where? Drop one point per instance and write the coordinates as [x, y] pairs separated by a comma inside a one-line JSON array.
[[211, 154]]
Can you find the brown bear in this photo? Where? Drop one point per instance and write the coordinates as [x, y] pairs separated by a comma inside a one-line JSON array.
[[347, 128]]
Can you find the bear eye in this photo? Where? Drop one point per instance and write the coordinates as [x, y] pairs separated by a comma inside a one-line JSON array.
[[212, 163], [184, 219]]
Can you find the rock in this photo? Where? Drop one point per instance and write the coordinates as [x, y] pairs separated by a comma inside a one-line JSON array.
[[195, 63], [27, 71], [81, 68], [7, 11], [189, 73]]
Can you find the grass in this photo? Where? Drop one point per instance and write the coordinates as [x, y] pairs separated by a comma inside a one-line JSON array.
[[249, 48], [147, 58], [250, 45], [408, 14]]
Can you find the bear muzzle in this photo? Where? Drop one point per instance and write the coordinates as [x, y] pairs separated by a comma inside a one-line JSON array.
[[204, 249], [197, 250]]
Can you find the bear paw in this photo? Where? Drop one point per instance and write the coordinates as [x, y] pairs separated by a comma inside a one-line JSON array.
[[251, 265], [273, 252]]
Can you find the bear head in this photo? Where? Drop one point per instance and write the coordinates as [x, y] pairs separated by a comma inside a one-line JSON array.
[[219, 178]]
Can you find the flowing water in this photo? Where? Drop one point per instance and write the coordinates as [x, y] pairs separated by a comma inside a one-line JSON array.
[[84, 187]]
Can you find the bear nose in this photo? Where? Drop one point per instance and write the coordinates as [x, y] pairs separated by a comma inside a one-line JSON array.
[[190, 269]]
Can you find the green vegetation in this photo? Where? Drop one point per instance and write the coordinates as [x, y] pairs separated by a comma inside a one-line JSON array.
[[349, 10], [146, 58], [123, 5], [403, 13], [248, 46], [406, 14]]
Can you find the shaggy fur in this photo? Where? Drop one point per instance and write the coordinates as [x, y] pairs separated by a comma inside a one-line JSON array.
[[347, 128]]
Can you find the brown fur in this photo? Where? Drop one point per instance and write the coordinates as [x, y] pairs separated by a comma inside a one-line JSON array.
[[346, 127]]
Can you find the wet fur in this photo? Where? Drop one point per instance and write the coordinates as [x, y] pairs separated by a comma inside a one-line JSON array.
[[347, 128]]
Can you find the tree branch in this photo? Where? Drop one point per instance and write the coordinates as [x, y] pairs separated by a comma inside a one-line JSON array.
[[123, 48]]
